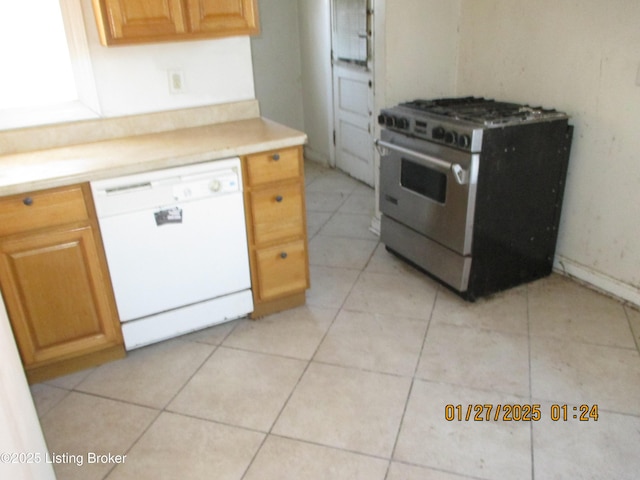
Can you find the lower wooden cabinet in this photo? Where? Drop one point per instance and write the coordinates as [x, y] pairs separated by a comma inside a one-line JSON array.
[[277, 229], [55, 284]]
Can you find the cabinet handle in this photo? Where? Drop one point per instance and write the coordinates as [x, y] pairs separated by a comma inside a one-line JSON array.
[[283, 255], [279, 198], [276, 156], [28, 201]]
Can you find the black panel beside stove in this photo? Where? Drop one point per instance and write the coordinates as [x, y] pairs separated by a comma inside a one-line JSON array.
[[518, 211]]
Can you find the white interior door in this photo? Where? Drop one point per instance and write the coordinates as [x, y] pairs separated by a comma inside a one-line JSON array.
[[353, 88]]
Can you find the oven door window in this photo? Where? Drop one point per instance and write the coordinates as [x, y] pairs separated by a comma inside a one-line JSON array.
[[423, 180]]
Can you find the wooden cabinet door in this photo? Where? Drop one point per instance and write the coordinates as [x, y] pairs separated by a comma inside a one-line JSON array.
[[129, 21], [57, 294], [223, 17]]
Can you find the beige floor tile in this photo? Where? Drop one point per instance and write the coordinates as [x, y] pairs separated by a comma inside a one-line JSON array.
[[382, 343], [634, 320], [491, 450], [333, 181], [345, 408], [606, 449], [352, 225], [293, 333], [581, 373], [330, 286], [315, 221], [285, 459], [362, 202], [383, 261], [177, 447], [399, 471], [340, 251], [82, 423], [213, 335], [328, 202], [504, 312], [410, 295], [563, 309], [45, 397], [240, 388], [476, 358], [149, 376], [313, 170], [69, 382]]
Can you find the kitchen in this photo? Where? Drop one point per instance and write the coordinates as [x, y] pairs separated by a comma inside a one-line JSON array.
[[581, 58]]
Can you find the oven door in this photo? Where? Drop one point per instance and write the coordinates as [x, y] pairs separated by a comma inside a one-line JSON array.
[[429, 188]]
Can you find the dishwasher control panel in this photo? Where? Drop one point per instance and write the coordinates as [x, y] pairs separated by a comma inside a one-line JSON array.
[[167, 188], [222, 182]]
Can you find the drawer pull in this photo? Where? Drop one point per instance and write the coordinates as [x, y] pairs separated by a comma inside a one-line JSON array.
[[279, 198], [283, 255], [276, 156], [28, 201]]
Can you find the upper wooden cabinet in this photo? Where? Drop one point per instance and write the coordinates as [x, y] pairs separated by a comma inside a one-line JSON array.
[[123, 22]]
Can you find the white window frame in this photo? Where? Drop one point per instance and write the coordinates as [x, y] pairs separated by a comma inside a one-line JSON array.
[[87, 105]]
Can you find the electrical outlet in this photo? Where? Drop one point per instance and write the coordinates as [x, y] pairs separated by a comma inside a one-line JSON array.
[[176, 81]]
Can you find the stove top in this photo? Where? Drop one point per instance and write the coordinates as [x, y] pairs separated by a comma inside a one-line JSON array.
[[481, 111], [459, 122]]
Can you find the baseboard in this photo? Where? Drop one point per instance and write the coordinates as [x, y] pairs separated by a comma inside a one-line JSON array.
[[314, 156], [599, 281]]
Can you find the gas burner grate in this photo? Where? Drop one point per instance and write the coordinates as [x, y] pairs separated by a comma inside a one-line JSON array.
[[482, 111]]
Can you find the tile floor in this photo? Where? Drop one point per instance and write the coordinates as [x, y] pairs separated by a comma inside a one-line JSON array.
[[354, 385]]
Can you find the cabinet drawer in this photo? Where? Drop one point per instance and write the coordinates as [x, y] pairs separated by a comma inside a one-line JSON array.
[[277, 213], [273, 166], [282, 270], [21, 213]]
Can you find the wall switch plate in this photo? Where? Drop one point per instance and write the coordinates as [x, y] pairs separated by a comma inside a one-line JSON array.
[[176, 81], [638, 76]]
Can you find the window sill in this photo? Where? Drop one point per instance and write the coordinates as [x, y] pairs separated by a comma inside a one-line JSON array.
[[32, 117]]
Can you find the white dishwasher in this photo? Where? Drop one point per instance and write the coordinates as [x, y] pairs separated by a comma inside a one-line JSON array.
[[176, 246]]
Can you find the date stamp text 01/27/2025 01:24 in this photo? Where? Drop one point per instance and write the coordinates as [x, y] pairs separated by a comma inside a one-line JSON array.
[[484, 412]]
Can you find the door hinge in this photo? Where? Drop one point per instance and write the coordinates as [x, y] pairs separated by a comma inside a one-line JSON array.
[[334, 138]]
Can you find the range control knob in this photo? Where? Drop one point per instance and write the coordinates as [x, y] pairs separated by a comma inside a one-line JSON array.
[[450, 137], [402, 123], [215, 185], [438, 133], [464, 141], [382, 119]]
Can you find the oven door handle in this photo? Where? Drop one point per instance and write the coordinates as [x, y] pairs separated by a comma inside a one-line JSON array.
[[459, 173]]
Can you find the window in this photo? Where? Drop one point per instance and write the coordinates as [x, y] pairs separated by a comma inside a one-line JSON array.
[[351, 31], [47, 74]]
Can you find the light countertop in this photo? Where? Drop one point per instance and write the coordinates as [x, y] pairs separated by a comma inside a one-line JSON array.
[[54, 167]]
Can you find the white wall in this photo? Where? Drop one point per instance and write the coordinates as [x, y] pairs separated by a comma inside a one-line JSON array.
[[583, 58], [276, 63], [134, 79], [315, 48], [20, 432], [420, 49]]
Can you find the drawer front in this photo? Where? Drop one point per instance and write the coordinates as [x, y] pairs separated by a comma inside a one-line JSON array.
[[282, 270], [273, 166], [277, 213], [21, 213]]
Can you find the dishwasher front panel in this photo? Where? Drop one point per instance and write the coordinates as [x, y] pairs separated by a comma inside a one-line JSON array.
[[197, 253]]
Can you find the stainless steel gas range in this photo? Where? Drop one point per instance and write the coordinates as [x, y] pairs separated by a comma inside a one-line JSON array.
[[471, 189]]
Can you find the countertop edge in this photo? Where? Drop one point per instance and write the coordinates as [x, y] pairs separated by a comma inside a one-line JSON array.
[[62, 166]]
